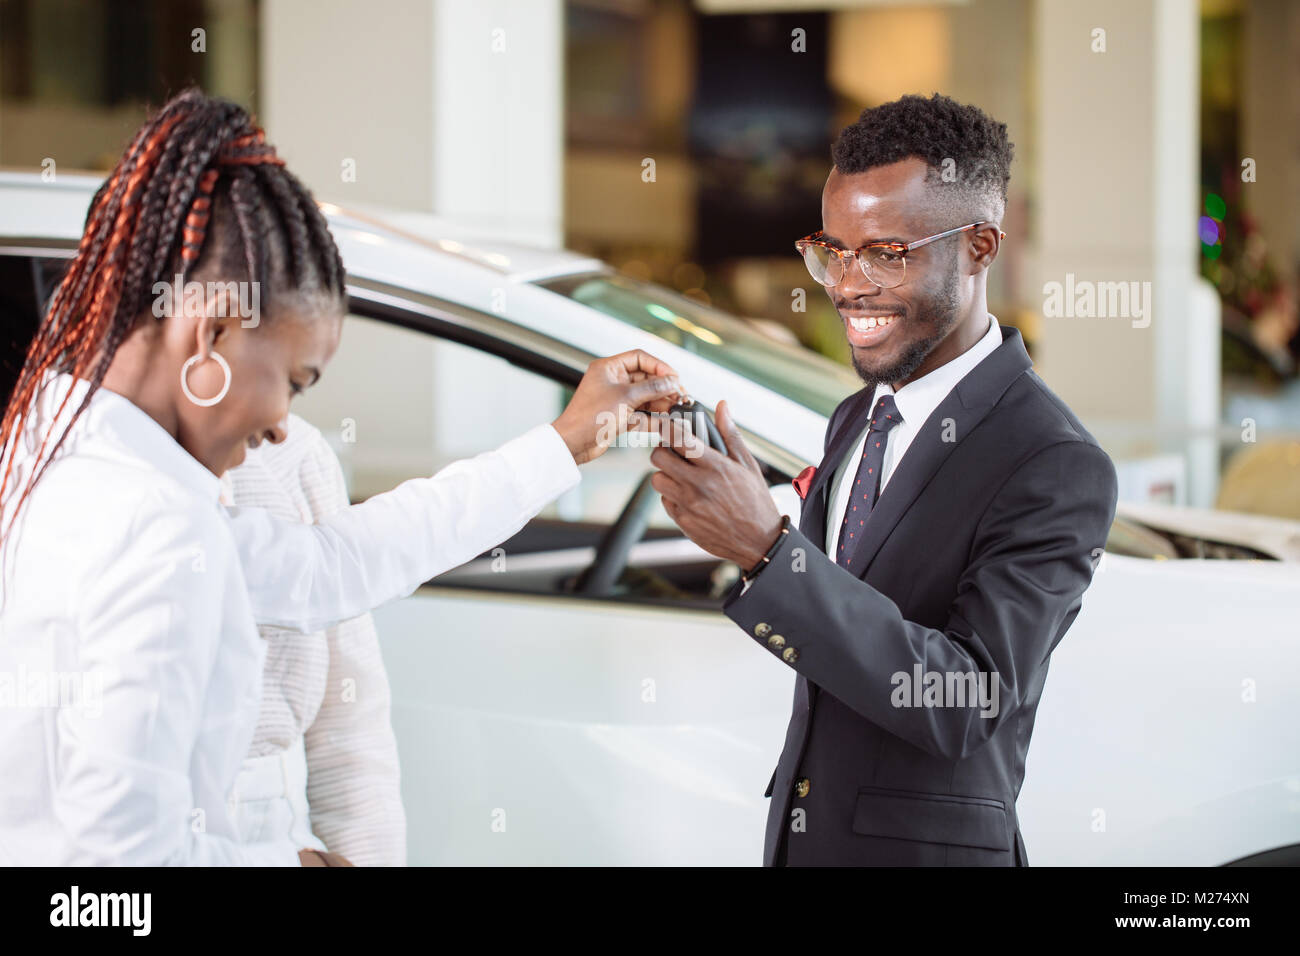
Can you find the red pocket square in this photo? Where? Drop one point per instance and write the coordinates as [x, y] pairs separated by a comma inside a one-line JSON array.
[[804, 481]]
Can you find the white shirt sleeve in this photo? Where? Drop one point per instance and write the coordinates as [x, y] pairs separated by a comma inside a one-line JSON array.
[[151, 627], [307, 577]]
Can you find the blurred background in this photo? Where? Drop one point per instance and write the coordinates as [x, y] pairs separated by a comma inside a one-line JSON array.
[[687, 141]]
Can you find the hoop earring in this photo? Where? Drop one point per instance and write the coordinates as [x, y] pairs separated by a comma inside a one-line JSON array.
[[185, 385]]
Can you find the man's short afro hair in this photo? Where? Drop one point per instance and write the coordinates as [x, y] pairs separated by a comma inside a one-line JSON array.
[[935, 129]]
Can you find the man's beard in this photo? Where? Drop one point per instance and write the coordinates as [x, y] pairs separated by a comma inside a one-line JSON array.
[[941, 309]]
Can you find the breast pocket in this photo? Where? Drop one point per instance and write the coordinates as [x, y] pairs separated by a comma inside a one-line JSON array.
[[950, 819]]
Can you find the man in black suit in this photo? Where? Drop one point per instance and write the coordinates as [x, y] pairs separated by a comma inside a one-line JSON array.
[[945, 539]]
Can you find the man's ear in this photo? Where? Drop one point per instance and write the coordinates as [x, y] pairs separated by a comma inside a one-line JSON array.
[[984, 244]]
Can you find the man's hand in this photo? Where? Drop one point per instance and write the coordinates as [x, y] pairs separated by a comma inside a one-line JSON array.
[[608, 398], [721, 502]]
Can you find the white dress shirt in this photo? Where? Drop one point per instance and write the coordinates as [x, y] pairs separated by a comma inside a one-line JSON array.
[[130, 664], [915, 401]]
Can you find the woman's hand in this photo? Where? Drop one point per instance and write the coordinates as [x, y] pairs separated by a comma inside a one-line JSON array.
[[320, 858], [610, 393]]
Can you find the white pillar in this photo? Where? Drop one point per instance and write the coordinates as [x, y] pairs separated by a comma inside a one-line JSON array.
[[446, 106], [498, 117], [1117, 189], [451, 107]]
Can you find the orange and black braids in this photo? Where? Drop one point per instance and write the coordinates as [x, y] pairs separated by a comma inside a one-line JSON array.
[[195, 162]]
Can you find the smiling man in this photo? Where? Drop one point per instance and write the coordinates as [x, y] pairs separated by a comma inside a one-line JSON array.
[[945, 539]]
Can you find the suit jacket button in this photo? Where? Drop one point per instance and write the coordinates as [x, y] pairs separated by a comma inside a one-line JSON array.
[[791, 655], [762, 630], [802, 786], [776, 642]]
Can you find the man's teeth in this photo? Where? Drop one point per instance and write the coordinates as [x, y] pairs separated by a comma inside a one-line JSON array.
[[865, 325]]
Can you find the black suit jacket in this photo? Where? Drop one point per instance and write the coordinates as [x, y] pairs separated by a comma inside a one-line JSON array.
[[977, 553]]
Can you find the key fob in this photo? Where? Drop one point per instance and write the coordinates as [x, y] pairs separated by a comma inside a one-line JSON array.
[[700, 423]]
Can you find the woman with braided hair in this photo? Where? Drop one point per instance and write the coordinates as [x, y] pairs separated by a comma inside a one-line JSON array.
[[129, 596]]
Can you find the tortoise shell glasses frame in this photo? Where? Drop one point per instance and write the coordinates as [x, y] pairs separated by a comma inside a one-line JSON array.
[[884, 263]]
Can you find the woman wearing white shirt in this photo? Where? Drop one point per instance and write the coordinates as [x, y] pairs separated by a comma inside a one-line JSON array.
[[130, 596]]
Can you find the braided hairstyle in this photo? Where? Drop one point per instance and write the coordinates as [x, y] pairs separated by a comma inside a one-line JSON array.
[[199, 169]]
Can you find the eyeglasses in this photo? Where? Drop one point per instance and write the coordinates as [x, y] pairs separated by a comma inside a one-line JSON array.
[[884, 263]]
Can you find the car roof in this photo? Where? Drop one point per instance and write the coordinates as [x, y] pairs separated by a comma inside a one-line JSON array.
[[56, 209], [515, 260]]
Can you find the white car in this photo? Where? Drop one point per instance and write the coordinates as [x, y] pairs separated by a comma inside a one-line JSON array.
[[576, 696]]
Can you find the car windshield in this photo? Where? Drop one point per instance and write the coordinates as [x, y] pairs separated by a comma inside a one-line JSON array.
[[800, 374]]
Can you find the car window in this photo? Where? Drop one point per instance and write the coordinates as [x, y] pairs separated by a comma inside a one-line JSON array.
[[397, 403], [800, 374], [26, 284]]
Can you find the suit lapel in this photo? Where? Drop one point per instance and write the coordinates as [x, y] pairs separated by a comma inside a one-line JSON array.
[[967, 404]]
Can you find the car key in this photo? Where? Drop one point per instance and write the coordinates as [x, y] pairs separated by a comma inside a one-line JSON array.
[[697, 416]]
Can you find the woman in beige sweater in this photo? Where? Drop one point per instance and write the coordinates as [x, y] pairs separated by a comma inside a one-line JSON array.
[[323, 765]]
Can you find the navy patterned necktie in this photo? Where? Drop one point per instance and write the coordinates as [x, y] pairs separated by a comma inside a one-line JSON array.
[[867, 484]]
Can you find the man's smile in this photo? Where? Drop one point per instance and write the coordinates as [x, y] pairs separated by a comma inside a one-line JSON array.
[[865, 329]]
